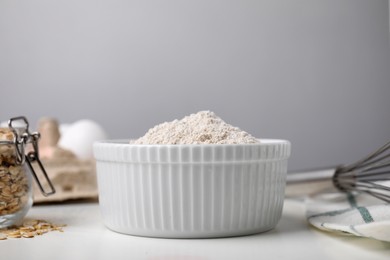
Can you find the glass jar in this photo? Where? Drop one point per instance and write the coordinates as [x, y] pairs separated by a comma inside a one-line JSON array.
[[16, 171]]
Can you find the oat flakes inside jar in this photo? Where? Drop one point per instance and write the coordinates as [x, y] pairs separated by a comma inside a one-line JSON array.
[[16, 171]]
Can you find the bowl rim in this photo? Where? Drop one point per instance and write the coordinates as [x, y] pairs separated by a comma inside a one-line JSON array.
[[120, 150], [126, 143]]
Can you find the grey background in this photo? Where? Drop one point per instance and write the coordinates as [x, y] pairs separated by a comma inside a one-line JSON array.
[[314, 72]]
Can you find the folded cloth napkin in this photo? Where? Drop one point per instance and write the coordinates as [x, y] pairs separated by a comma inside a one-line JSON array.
[[355, 214]]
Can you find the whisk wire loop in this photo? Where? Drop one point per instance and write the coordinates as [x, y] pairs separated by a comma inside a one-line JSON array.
[[369, 160], [367, 175], [379, 165]]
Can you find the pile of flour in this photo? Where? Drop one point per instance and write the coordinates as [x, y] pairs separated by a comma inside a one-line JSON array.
[[203, 127]]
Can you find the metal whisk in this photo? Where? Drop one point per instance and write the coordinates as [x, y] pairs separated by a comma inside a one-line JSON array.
[[366, 175]]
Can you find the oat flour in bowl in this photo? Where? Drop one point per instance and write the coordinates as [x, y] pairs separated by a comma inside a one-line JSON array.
[[203, 127]]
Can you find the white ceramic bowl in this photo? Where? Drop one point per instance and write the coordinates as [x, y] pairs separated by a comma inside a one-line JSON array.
[[191, 191]]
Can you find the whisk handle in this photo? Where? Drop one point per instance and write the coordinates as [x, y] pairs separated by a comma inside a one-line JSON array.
[[310, 182]]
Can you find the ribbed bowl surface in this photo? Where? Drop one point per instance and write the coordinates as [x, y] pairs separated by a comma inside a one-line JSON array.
[[191, 191]]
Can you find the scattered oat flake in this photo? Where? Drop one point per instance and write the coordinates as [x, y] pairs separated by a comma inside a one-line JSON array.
[[29, 229]]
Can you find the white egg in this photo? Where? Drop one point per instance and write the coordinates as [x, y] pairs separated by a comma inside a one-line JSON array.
[[63, 128], [80, 136]]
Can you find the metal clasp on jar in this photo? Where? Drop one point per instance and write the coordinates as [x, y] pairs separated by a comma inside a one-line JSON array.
[[22, 136]]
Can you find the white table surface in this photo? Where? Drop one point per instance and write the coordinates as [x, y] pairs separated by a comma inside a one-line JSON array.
[[85, 237]]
